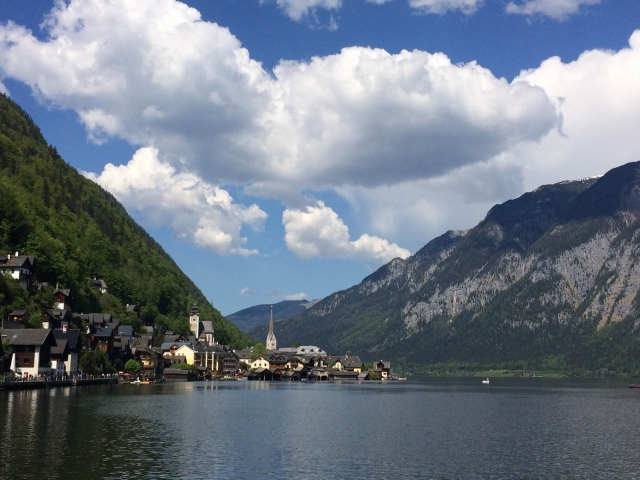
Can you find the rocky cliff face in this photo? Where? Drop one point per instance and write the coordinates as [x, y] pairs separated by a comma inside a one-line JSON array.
[[552, 273]]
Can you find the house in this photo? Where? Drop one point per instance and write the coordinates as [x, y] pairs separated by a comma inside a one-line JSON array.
[[72, 338], [55, 318], [63, 298], [187, 351], [230, 363], [352, 364], [210, 358], [244, 356], [338, 375], [101, 338], [99, 285], [279, 361], [169, 349], [261, 361], [384, 368], [31, 349], [19, 316], [18, 267], [310, 351], [179, 375], [151, 362]]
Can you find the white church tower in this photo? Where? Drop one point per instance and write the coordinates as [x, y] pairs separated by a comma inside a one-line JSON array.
[[194, 320], [271, 338]]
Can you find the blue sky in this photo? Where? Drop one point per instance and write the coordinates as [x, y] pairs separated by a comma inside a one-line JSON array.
[[287, 148]]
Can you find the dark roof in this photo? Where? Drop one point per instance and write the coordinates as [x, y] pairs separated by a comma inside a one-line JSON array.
[[125, 330], [56, 313], [65, 291], [115, 324], [17, 261], [60, 346], [72, 336], [351, 362], [29, 336], [99, 283], [207, 326], [103, 332], [171, 338], [132, 308], [18, 313]]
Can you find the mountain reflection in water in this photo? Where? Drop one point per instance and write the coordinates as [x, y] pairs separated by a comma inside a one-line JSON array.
[[435, 428]]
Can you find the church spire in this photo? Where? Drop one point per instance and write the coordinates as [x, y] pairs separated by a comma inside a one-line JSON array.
[[271, 338]]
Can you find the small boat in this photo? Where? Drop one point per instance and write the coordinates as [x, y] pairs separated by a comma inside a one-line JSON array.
[[485, 382], [634, 385]]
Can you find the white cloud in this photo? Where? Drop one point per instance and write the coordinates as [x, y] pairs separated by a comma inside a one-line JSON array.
[[152, 73], [467, 7], [296, 296], [3, 89], [317, 231], [196, 210], [558, 9], [246, 292], [599, 97], [411, 139], [298, 9]]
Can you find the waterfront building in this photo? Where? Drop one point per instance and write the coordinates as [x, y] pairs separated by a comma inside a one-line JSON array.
[[271, 337]]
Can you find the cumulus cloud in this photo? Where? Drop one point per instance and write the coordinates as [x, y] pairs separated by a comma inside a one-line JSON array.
[[558, 9], [599, 97], [196, 210], [317, 231], [153, 73], [3, 89]]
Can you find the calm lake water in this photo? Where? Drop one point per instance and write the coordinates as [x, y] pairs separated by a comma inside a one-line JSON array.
[[432, 428]]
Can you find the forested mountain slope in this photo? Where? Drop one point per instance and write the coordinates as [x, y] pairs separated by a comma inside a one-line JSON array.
[[78, 231], [549, 279]]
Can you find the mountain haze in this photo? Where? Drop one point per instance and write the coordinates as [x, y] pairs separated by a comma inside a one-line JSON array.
[[77, 231], [549, 279], [258, 315]]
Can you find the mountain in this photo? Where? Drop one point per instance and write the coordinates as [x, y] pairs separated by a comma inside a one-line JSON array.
[[258, 315], [548, 280], [77, 232]]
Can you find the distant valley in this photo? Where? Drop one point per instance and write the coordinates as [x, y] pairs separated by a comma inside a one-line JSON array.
[[257, 316]]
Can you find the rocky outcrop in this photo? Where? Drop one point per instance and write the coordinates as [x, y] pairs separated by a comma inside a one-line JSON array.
[[540, 275]]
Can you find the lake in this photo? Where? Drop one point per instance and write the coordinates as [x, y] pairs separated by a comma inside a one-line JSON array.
[[428, 428]]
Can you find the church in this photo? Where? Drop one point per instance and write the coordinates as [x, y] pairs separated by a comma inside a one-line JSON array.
[[271, 337]]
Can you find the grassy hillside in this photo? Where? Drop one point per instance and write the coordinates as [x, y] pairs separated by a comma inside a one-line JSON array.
[[78, 231]]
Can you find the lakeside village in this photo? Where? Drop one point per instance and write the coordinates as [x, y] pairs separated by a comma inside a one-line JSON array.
[[60, 354]]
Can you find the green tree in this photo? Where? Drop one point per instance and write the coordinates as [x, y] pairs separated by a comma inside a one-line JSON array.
[[296, 344], [258, 348], [132, 366]]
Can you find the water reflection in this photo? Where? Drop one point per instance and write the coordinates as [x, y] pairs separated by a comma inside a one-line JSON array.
[[451, 429]]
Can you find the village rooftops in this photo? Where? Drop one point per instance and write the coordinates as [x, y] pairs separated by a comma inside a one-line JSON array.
[[103, 332], [26, 337], [63, 291], [17, 261], [18, 313], [72, 336], [125, 330]]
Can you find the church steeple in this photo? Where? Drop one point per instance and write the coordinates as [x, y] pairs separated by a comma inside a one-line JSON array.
[[271, 338]]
